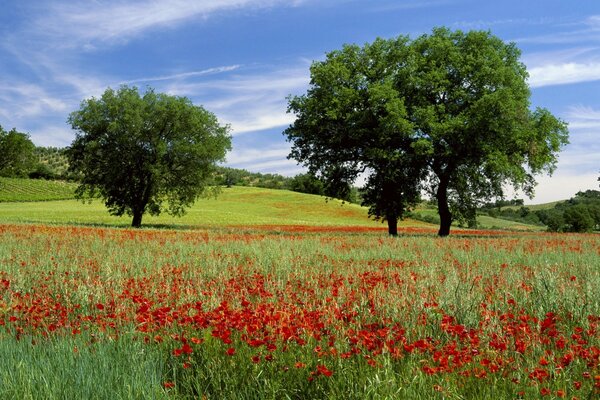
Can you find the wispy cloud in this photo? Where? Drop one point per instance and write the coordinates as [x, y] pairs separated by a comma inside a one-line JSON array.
[[486, 24], [48, 134], [272, 160], [244, 156], [86, 23], [565, 73], [386, 6], [582, 154], [578, 162], [584, 118], [248, 101], [587, 30], [183, 75], [25, 100]]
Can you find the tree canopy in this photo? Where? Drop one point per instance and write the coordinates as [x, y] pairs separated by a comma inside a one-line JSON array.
[[446, 113], [145, 153], [17, 157]]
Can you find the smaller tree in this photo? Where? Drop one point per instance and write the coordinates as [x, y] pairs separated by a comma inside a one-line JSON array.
[[306, 183], [140, 152], [578, 219], [17, 156]]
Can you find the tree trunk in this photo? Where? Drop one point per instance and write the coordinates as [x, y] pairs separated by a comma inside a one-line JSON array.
[[443, 208], [137, 219], [392, 225]]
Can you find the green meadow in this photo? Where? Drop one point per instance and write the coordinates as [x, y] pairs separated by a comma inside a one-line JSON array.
[[52, 202]]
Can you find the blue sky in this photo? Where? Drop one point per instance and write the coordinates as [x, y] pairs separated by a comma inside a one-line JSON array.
[[241, 58]]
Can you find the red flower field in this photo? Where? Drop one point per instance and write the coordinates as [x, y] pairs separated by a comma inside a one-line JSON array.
[[316, 312]]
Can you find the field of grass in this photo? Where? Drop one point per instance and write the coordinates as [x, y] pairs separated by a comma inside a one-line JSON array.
[[290, 312], [487, 222], [238, 205], [23, 190], [234, 206]]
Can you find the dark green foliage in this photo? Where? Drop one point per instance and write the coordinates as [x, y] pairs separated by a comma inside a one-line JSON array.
[[141, 152], [306, 183], [226, 176], [353, 120], [42, 171], [16, 154], [578, 219], [302, 183], [578, 214], [448, 113]]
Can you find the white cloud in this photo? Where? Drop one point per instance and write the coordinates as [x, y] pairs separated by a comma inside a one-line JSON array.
[[243, 156], [565, 73], [85, 23], [248, 102], [583, 118], [586, 30], [21, 100], [184, 75], [273, 160]]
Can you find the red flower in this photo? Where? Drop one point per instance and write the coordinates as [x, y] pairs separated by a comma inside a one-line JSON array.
[[168, 385], [230, 351], [323, 370]]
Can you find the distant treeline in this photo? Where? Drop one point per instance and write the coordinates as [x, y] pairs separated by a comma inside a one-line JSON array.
[[22, 159], [578, 214], [302, 183]]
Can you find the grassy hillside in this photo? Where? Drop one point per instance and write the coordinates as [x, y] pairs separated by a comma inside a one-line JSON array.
[[234, 206], [40, 201], [483, 221], [536, 207], [17, 189]]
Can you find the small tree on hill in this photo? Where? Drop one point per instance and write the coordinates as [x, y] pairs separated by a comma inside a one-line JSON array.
[[140, 152], [17, 157]]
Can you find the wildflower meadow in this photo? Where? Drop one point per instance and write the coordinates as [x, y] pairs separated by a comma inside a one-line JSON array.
[[297, 312]]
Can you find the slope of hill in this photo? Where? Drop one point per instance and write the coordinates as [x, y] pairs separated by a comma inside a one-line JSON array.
[[429, 214], [39, 201], [20, 190], [235, 206]]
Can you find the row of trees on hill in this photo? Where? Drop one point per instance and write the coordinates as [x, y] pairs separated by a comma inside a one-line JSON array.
[[20, 158], [17, 154], [580, 213]]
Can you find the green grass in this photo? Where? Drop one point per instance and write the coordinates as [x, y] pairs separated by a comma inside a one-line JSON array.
[[500, 286], [536, 207], [25, 190], [238, 206], [487, 222]]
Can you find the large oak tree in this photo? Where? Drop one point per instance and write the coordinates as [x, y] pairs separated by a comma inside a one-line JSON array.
[[145, 153], [447, 113]]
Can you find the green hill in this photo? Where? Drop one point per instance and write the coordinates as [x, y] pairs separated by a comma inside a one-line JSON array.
[[40, 201], [237, 205], [20, 190]]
